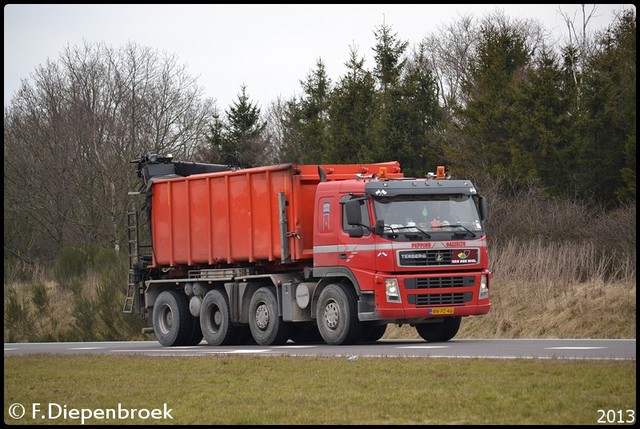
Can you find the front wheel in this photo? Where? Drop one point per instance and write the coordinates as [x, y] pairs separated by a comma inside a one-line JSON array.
[[266, 326], [439, 332], [337, 315]]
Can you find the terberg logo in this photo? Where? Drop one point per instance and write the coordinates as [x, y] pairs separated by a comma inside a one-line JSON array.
[[413, 255]]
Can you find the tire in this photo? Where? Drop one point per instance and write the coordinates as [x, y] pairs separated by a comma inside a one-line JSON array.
[[337, 315], [172, 320], [267, 328], [372, 332], [439, 332], [215, 319]]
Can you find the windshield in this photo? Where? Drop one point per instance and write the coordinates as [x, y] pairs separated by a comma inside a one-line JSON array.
[[428, 214]]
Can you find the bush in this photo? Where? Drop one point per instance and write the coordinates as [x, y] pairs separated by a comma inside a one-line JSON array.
[[72, 262], [16, 321], [39, 295]]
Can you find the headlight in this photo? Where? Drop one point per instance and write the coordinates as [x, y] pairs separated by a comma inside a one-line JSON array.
[[392, 290], [484, 287]]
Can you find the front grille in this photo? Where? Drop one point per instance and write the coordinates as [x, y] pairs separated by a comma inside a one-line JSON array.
[[440, 298], [439, 282], [423, 258]]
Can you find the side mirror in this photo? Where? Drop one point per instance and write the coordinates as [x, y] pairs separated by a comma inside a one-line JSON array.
[[484, 210], [379, 228], [354, 215]]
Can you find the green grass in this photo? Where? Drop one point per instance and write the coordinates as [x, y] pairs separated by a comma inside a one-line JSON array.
[[322, 390]]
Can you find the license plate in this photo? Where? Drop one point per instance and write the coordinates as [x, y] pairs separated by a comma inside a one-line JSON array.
[[441, 311]]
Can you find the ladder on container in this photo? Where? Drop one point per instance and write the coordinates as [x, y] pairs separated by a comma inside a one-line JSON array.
[[132, 297]]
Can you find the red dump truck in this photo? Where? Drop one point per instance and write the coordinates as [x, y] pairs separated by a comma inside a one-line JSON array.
[[303, 253]]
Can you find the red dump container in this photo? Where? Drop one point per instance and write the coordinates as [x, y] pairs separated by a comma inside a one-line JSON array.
[[233, 217]]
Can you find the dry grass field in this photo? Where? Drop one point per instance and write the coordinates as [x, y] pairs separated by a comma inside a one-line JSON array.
[[537, 291]]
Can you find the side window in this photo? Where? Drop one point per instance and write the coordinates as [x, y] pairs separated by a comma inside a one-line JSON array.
[[364, 213]]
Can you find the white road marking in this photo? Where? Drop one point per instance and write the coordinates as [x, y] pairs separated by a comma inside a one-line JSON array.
[[574, 348], [236, 351], [293, 347], [424, 347], [86, 348]]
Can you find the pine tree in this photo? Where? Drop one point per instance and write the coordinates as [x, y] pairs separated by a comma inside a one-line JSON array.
[[211, 151], [243, 144], [542, 138], [389, 51], [420, 117], [351, 112], [607, 126], [488, 118], [306, 119], [389, 65]]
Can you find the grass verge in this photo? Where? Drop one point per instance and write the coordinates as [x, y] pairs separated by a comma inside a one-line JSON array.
[[316, 390]]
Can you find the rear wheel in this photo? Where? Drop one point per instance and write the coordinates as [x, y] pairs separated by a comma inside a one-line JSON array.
[[439, 332], [172, 320], [267, 328], [337, 315], [215, 320]]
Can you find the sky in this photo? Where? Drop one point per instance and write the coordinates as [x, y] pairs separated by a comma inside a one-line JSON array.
[[268, 48]]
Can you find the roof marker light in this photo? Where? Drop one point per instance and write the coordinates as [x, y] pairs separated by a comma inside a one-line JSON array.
[[383, 173]]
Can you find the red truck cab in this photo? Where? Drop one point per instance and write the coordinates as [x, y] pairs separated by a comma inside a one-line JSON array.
[[415, 249]]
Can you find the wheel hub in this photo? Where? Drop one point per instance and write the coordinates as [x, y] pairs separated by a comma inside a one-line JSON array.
[[262, 317], [331, 315], [166, 321]]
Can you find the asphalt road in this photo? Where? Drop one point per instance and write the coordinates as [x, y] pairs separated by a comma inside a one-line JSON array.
[[620, 349]]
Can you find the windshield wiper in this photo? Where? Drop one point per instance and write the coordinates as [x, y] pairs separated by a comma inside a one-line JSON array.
[[414, 228], [455, 225]]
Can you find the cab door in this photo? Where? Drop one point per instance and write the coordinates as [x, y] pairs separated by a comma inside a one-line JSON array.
[[357, 243], [327, 220]]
